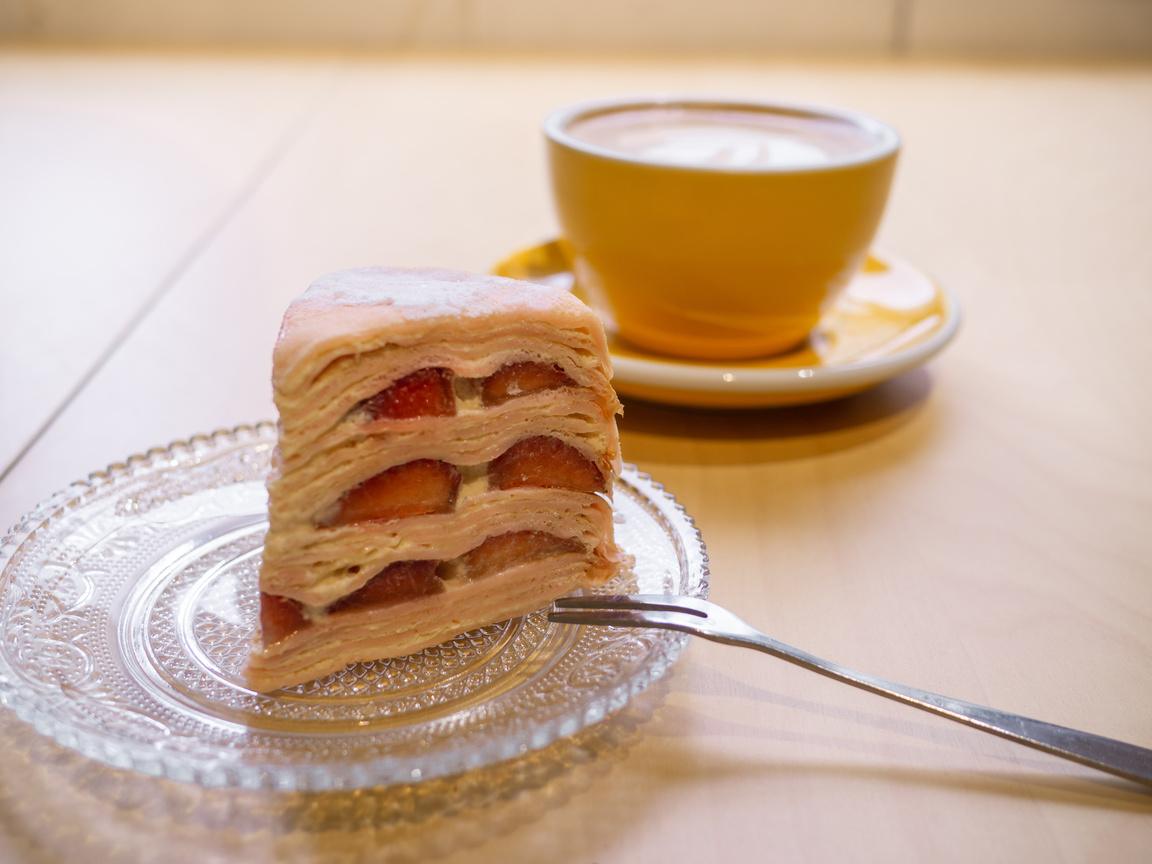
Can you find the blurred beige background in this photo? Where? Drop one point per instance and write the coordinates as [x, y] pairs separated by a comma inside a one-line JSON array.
[[1053, 28]]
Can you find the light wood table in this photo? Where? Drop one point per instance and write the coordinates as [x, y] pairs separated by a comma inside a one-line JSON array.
[[981, 527]]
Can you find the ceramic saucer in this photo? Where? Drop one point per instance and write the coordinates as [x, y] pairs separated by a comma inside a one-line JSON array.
[[890, 319]]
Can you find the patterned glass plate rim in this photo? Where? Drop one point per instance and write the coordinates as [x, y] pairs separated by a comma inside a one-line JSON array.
[[128, 599]]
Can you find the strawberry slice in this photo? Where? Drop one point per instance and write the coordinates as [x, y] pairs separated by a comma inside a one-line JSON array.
[[507, 550], [515, 379], [280, 617], [412, 489], [424, 393], [547, 462], [404, 580]]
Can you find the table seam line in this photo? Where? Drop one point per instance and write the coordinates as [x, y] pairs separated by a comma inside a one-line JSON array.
[[247, 192]]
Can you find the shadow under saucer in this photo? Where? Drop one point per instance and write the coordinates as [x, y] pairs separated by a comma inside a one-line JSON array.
[[653, 432]]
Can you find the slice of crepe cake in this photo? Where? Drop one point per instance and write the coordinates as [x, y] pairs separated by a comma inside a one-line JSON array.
[[447, 451]]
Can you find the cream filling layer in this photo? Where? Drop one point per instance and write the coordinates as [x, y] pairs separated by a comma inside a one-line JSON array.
[[302, 491], [307, 415], [331, 642], [318, 566]]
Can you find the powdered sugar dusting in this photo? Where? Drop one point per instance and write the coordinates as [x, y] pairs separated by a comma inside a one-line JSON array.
[[352, 312], [429, 292]]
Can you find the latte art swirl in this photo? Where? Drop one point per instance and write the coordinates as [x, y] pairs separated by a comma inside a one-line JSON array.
[[708, 137]]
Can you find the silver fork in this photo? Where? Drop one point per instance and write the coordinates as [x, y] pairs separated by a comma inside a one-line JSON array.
[[701, 618]]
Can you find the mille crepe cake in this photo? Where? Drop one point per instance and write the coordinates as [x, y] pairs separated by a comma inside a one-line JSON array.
[[447, 450]]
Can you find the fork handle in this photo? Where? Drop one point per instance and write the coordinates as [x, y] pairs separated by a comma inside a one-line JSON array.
[[1106, 754]]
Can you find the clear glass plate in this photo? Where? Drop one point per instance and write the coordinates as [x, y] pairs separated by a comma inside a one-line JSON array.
[[127, 603]]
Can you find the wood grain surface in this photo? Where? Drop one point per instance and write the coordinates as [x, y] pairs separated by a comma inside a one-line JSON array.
[[979, 527]]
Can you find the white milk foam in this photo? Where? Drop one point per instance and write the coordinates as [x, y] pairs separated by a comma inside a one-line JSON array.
[[716, 137]]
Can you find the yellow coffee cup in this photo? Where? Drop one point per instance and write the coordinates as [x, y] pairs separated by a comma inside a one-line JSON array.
[[717, 228]]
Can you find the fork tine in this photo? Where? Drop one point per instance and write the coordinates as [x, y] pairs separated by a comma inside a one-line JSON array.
[[648, 602], [618, 617]]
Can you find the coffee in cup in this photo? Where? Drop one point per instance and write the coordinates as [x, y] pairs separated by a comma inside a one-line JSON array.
[[717, 228]]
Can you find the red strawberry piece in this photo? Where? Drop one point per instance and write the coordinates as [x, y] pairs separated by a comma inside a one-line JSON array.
[[544, 461], [515, 379], [404, 580], [424, 393], [280, 617], [507, 550], [412, 489]]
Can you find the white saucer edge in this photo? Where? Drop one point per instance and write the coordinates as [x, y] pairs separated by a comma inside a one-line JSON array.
[[680, 375]]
